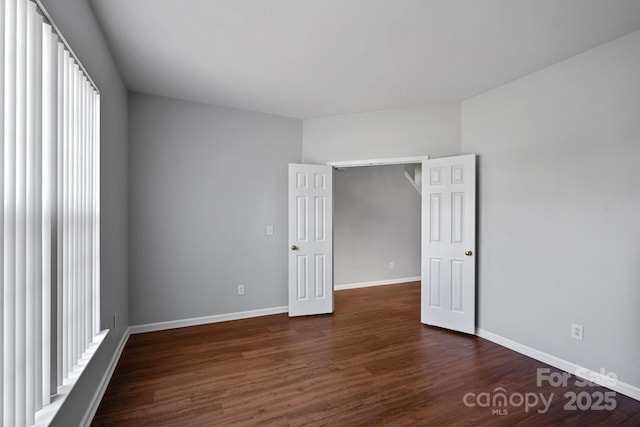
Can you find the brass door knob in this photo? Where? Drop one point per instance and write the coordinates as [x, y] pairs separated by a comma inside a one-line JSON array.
[[468, 253], [294, 248]]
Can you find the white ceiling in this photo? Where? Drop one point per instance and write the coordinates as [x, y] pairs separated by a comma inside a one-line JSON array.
[[311, 58]]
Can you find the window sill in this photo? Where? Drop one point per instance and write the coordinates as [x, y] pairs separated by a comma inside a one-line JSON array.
[[46, 414]]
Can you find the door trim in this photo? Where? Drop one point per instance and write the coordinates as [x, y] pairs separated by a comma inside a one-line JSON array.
[[375, 162], [378, 162]]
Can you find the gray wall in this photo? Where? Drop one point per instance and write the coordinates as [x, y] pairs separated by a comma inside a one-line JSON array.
[[559, 201], [205, 182], [376, 220], [431, 130], [78, 25]]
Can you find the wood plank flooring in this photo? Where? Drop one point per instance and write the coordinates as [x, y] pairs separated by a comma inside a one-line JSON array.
[[370, 363]]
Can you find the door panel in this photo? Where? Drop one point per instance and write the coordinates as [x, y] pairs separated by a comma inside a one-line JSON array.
[[448, 243], [310, 239]]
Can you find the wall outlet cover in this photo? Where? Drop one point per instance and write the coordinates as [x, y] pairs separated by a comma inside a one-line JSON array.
[[577, 331]]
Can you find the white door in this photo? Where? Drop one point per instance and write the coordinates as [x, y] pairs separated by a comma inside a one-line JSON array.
[[310, 240], [448, 243]]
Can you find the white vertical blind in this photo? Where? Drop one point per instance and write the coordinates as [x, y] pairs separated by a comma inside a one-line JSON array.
[[33, 302], [65, 227], [21, 214], [9, 212], [49, 203], [49, 222], [95, 227], [58, 224], [2, 215]]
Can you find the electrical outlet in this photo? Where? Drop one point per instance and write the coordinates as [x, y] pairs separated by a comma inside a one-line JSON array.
[[269, 230], [115, 320], [391, 265], [240, 289], [577, 331]]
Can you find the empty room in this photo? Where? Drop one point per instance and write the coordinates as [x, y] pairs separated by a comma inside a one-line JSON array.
[[320, 212]]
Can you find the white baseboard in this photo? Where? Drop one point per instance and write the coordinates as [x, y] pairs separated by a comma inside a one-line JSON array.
[[102, 387], [172, 324], [565, 365], [376, 283]]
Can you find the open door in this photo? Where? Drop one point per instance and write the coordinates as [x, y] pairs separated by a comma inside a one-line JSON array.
[[310, 239], [448, 243]]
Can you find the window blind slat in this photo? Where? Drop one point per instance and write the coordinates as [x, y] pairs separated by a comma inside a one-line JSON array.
[[31, 216], [81, 219], [90, 218], [9, 199], [2, 144], [94, 206], [66, 226], [69, 213], [49, 200], [37, 320], [96, 212], [21, 213], [59, 317], [86, 321], [73, 213]]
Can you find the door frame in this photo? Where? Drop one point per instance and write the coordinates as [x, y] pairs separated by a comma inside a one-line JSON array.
[[376, 162], [379, 162]]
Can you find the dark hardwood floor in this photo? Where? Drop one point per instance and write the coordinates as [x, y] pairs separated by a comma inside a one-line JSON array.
[[370, 363]]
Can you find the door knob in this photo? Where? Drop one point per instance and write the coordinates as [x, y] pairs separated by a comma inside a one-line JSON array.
[[294, 248], [468, 253]]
